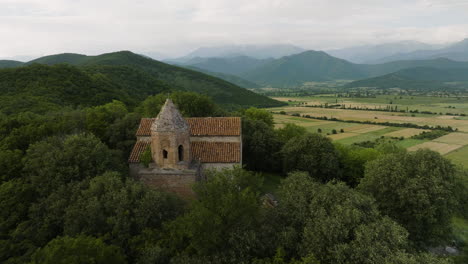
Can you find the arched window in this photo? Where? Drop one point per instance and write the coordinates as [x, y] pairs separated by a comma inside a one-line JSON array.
[[181, 153], [164, 153]]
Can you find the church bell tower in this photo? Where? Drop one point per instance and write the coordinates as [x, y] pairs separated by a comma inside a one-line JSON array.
[[170, 139]]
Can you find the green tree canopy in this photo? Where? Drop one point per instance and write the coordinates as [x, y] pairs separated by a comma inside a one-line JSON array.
[[260, 146], [78, 250], [59, 160], [335, 224], [223, 220], [259, 114], [190, 104], [416, 189], [313, 153], [289, 131]]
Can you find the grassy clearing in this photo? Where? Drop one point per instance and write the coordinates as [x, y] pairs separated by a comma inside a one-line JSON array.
[[407, 143], [442, 148], [454, 138], [459, 156], [368, 136], [406, 133]]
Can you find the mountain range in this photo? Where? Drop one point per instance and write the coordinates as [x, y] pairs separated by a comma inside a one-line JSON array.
[[375, 53], [457, 51], [309, 66], [418, 78], [254, 51]]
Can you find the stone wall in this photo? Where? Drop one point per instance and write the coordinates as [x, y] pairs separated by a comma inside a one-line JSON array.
[[177, 181], [218, 166], [216, 138]]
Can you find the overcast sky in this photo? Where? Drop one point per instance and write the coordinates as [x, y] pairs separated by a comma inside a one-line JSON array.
[[176, 27]]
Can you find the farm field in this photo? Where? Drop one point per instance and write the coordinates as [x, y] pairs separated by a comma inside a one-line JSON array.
[[443, 105], [454, 145]]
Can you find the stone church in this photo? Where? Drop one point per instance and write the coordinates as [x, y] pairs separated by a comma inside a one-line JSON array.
[[183, 148]]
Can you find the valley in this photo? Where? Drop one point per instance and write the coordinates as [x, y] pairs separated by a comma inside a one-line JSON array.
[[451, 111]]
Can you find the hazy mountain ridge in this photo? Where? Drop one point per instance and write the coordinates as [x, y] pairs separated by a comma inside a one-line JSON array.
[[254, 51], [457, 51], [372, 53], [234, 65], [10, 64]]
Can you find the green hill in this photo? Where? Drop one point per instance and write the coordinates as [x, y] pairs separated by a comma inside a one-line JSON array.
[[304, 67], [10, 64], [70, 58], [222, 92], [41, 88]]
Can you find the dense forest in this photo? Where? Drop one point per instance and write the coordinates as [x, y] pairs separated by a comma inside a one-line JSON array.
[[66, 197]]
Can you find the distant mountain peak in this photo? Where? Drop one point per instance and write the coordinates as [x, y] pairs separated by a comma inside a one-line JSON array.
[[254, 51]]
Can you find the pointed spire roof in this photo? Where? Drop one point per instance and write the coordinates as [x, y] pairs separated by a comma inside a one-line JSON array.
[[169, 119]]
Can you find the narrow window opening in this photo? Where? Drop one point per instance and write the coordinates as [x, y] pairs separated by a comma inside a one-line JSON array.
[[181, 153], [164, 153]]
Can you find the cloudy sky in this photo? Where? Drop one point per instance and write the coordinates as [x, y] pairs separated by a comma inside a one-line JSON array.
[[176, 27]]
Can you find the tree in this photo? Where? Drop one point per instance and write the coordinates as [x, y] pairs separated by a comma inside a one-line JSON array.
[[416, 189], [259, 114], [313, 153], [81, 249], [289, 131], [190, 104], [16, 196], [334, 223], [99, 118], [223, 221], [260, 146], [10, 164], [56, 161], [120, 211], [353, 160]]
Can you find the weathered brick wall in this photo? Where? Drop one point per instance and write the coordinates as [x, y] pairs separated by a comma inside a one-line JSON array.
[[176, 181], [216, 138], [218, 166]]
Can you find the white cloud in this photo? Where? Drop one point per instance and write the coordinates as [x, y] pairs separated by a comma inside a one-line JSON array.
[[178, 26]]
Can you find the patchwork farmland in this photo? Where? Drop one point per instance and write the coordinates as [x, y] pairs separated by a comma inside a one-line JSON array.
[[453, 145]]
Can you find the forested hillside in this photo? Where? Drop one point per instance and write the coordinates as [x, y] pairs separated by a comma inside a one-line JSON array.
[[147, 72], [41, 88]]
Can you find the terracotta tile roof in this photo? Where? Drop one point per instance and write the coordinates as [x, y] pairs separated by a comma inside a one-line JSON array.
[[145, 127], [206, 152], [139, 148], [216, 152], [201, 126], [215, 126]]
